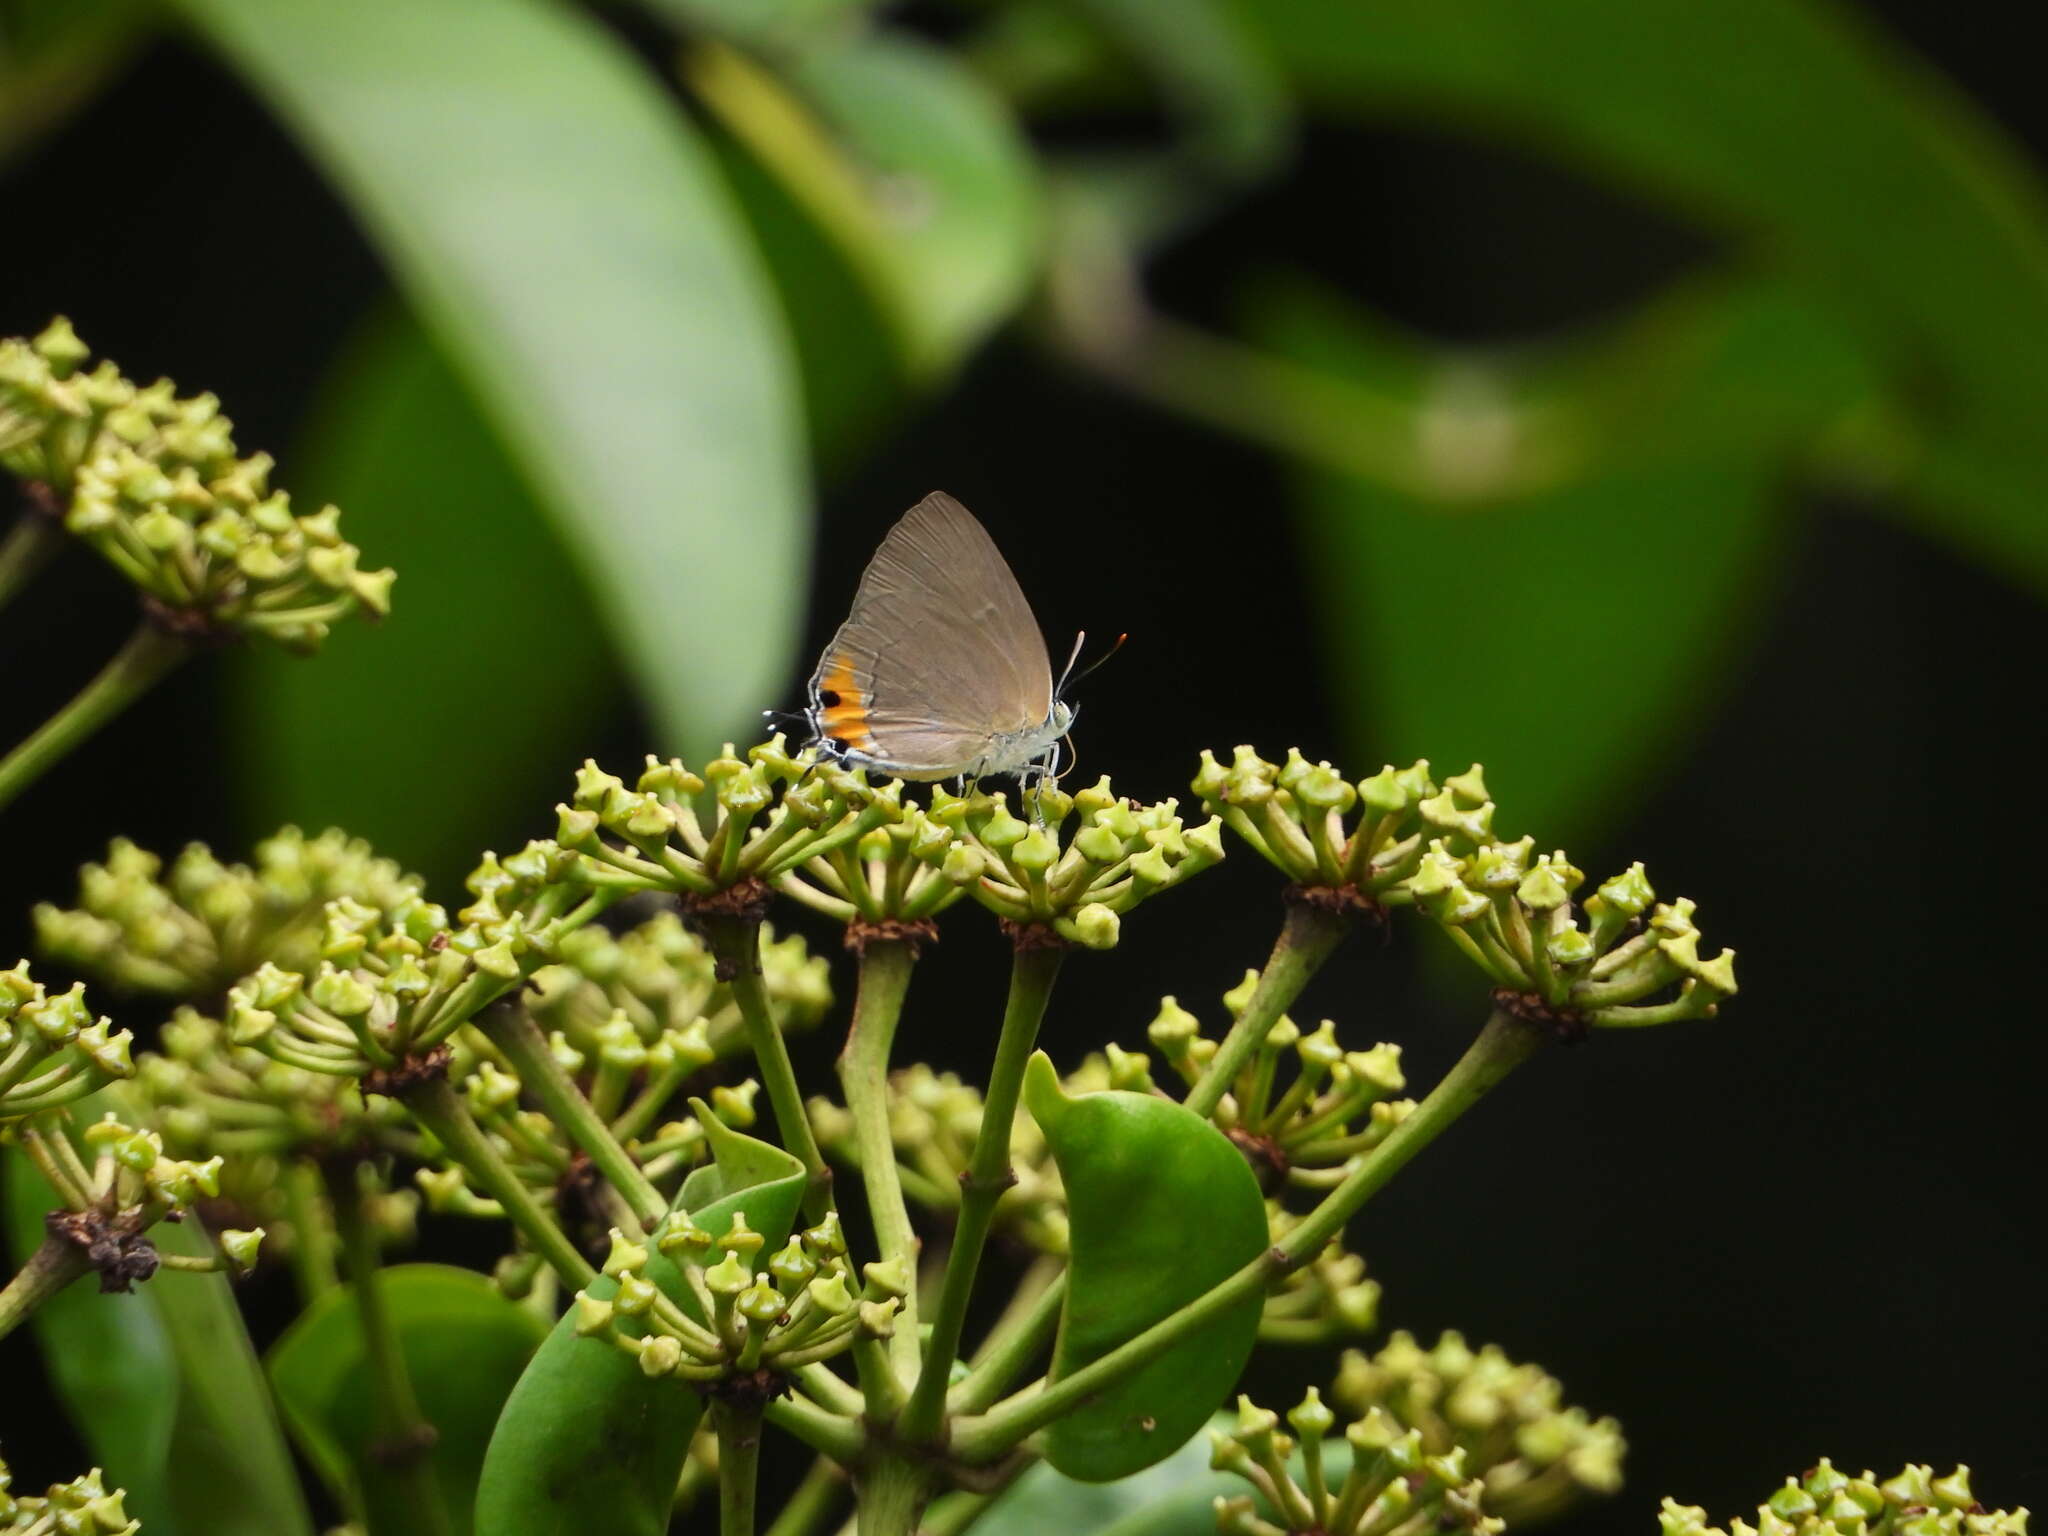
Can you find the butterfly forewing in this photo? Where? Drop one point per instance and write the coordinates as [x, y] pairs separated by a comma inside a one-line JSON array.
[[941, 651]]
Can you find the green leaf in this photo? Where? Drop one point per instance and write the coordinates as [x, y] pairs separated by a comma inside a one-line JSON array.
[[916, 170], [1175, 1498], [54, 54], [108, 1358], [164, 1387], [231, 1472], [1787, 124], [464, 1345], [1555, 580], [398, 444], [1171, 1496], [559, 230], [1161, 1207], [587, 1444]]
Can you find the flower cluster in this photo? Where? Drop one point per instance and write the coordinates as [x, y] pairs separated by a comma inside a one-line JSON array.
[[1338, 1104], [85, 1506], [153, 482], [392, 986], [1376, 1479], [1827, 1502], [645, 1009], [131, 1186], [52, 416], [1440, 1439], [1300, 817], [1534, 1455], [1038, 872], [1512, 911], [209, 1094], [52, 1050], [701, 1306], [194, 928], [742, 823]]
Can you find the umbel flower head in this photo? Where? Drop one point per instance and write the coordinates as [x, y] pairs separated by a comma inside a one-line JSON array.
[[1440, 1439], [1301, 1132], [1514, 913], [194, 928], [53, 1051], [1072, 864], [1828, 1502], [699, 1305], [1535, 1455], [1357, 842], [85, 1506], [391, 987], [739, 826], [152, 481]]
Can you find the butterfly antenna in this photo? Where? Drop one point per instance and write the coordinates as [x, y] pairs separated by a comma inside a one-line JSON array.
[[1070, 673]]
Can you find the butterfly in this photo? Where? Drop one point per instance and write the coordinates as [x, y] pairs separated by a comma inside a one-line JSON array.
[[940, 671]]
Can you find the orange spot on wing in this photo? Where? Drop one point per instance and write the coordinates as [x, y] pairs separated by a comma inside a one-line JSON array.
[[848, 718]]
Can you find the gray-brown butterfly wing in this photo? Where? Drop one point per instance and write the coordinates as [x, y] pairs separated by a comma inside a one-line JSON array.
[[940, 654]]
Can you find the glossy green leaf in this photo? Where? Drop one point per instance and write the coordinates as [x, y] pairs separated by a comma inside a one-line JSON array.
[[1161, 1207], [587, 1444], [554, 222], [1046, 1499], [1175, 1498], [164, 1387], [915, 169], [108, 1358], [1571, 628], [464, 1344], [398, 444], [1789, 124]]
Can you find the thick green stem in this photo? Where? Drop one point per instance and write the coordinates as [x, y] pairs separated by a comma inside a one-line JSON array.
[[54, 1265], [739, 1467], [435, 1105], [1033, 970], [1306, 940], [511, 1028], [315, 1253], [148, 655], [1503, 1045], [1024, 1329], [811, 1505], [885, 967], [890, 1493], [29, 546], [405, 1438], [736, 942]]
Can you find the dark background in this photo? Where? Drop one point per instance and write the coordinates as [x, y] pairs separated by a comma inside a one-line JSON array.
[[1808, 1228]]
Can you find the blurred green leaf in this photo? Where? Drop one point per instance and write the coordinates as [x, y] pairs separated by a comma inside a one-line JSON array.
[[1166, 1498], [398, 445], [854, 383], [231, 1472], [559, 230], [464, 1344], [54, 54], [1792, 125], [164, 1387], [109, 1359], [1565, 606], [914, 168]]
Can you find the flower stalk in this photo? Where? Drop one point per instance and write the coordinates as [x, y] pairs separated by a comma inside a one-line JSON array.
[[885, 970], [149, 656], [1035, 966]]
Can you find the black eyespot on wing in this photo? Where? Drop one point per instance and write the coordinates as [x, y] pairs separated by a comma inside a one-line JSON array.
[[838, 743], [828, 698]]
